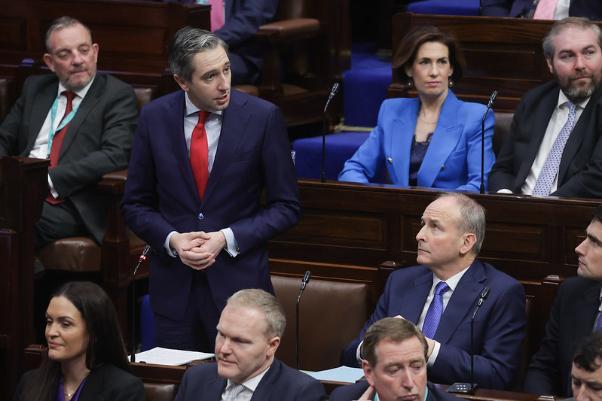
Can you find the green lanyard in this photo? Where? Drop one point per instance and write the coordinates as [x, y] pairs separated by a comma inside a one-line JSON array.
[[66, 120]]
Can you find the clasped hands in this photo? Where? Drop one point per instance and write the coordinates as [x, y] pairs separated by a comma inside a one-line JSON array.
[[198, 249]]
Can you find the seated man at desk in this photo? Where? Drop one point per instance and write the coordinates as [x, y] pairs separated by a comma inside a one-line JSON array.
[[441, 296], [395, 354], [553, 146], [248, 334], [575, 314], [82, 121], [586, 372], [542, 9]]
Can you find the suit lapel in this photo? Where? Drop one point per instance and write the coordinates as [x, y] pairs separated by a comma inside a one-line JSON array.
[[445, 138], [234, 118], [576, 138], [410, 298], [264, 388], [461, 302], [86, 106], [542, 118], [584, 320], [39, 112], [400, 141], [215, 389]]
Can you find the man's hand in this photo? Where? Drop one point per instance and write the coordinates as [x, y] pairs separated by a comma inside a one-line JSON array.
[[188, 246], [214, 243]]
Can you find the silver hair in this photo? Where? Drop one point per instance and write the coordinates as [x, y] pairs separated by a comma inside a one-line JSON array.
[[264, 302], [472, 217], [61, 23], [186, 43]]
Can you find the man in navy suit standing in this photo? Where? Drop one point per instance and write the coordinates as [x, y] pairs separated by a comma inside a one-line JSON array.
[[201, 159], [441, 294], [248, 335]]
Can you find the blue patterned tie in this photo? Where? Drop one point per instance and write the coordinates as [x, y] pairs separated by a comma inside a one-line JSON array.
[[549, 171], [435, 310]]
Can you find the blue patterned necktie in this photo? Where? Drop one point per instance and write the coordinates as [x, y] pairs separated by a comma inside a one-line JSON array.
[[549, 171], [435, 310]]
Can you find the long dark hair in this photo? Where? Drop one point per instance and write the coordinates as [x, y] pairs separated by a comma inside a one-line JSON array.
[[105, 344]]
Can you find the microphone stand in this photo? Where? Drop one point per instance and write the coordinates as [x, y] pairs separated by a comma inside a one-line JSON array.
[[489, 106], [141, 259], [333, 91], [304, 282]]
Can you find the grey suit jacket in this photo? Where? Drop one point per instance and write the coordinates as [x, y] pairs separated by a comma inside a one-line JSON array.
[[98, 140]]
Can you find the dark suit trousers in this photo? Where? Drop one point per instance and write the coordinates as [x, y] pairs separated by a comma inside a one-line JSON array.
[[59, 221], [197, 330]]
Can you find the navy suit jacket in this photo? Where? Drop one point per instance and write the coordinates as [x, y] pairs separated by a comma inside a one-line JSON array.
[[354, 391], [97, 142], [280, 383], [453, 158], [580, 170], [499, 326], [253, 155], [591, 9], [571, 319]]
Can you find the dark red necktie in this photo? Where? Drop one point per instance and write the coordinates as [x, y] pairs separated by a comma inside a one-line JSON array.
[[199, 154], [57, 141]]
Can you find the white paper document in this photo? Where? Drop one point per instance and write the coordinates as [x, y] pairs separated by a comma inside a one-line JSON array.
[[343, 374], [172, 357]]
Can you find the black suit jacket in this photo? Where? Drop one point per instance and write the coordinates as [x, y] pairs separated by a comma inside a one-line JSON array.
[[98, 140], [280, 383], [571, 319], [355, 391], [580, 171], [591, 9], [105, 383]]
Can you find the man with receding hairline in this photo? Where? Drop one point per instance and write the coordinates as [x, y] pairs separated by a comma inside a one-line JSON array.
[[248, 334], [441, 294], [82, 121]]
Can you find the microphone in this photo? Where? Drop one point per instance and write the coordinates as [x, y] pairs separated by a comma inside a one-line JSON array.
[[489, 107], [141, 259], [469, 388], [333, 92], [304, 282]]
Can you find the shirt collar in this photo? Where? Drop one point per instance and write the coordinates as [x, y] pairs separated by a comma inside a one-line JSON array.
[[451, 282], [426, 394], [251, 383], [562, 99], [191, 109], [81, 93]]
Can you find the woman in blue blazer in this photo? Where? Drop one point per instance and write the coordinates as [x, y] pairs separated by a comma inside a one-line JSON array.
[[433, 140]]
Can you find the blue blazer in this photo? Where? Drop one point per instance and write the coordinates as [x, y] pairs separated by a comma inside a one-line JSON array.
[[253, 155], [499, 326], [280, 383], [453, 158]]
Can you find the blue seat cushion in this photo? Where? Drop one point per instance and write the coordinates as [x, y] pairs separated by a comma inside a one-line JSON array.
[[447, 7]]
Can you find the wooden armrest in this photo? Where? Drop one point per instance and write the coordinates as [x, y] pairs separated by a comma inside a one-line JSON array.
[[113, 182], [287, 30]]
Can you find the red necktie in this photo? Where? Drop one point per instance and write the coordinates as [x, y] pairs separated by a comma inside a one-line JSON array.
[[57, 141], [199, 154]]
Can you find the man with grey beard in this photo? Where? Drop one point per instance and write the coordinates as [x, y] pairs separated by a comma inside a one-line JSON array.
[[553, 147]]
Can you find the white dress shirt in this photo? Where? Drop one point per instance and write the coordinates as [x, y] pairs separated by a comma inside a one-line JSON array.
[[40, 147], [233, 391]]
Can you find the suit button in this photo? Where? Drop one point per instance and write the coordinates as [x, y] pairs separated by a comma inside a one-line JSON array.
[[201, 216]]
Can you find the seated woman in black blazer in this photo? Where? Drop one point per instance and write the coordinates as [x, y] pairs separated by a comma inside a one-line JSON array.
[[86, 358]]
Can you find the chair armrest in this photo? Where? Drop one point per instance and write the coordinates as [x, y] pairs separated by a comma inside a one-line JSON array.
[[113, 183], [289, 30]]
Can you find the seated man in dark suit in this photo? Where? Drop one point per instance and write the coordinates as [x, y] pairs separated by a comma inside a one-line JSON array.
[[554, 147], [591, 9], [574, 315], [395, 353], [248, 335], [440, 296], [586, 372], [82, 121]]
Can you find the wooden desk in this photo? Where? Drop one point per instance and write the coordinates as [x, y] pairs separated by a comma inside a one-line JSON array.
[[23, 187]]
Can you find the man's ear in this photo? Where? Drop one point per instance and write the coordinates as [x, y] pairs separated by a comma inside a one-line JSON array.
[[368, 372], [181, 82], [468, 244], [48, 61], [273, 344]]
